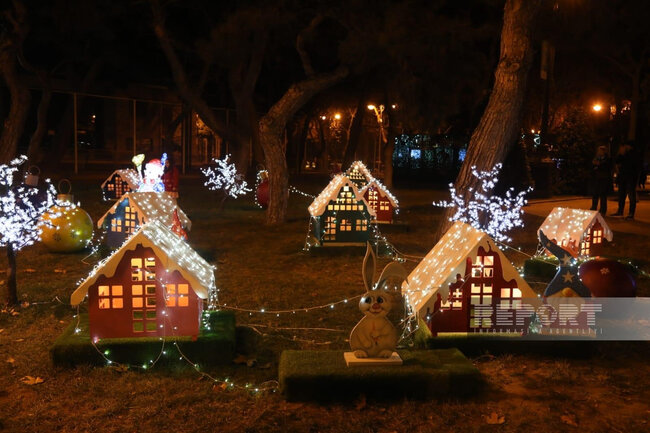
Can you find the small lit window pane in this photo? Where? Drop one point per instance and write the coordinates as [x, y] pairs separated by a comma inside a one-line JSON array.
[[183, 301], [136, 290], [103, 291], [136, 263], [183, 289], [104, 303], [117, 290], [171, 301], [118, 303], [171, 288], [505, 293], [137, 302], [488, 261]]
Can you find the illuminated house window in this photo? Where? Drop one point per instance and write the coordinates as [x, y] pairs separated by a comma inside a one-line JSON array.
[[383, 205], [481, 294], [483, 266], [362, 225], [116, 225], [130, 221], [346, 225], [585, 246], [597, 237], [136, 270], [110, 297], [330, 228], [372, 198], [457, 300], [510, 297], [177, 295]]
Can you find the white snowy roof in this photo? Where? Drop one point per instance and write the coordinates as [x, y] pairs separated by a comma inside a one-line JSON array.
[[382, 188], [171, 249], [129, 175], [446, 259], [572, 224], [151, 206], [318, 206]]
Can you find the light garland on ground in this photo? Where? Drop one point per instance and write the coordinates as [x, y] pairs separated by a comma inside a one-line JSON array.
[[487, 212], [225, 177], [21, 207]]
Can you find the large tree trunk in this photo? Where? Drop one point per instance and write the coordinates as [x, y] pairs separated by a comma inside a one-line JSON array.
[[34, 151], [497, 131], [14, 124], [12, 292], [272, 126], [354, 134]]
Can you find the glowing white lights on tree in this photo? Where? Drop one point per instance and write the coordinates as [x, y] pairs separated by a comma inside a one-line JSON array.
[[487, 212], [20, 209], [224, 177]]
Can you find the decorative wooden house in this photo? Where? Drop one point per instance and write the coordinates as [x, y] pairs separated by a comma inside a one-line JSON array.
[[153, 286], [119, 183], [580, 231], [135, 209], [459, 284], [359, 174], [380, 200], [340, 215]]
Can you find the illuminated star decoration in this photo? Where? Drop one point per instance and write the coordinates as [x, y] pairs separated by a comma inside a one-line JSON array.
[[20, 207], [225, 177], [567, 270], [604, 271], [487, 212]]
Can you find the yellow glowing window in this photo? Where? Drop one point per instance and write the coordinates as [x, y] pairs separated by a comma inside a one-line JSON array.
[[117, 290], [476, 272], [505, 293], [516, 293], [103, 291], [136, 274], [171, 289], [137, 302], [171, 301], [488, 272], [476, 288], [117, 303], [150, 276], [136, 263], [330, 207], [183, 301], [150, 262], [488, 261], [487, 288], [136, 290], [183, 289], [479, 260], [104, 303]]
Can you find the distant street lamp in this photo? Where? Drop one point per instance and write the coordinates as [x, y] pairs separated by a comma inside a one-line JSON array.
[[337, 116], [597, 107]]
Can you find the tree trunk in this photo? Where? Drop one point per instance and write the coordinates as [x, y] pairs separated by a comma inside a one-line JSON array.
[[498, 128], [272, 126], [636, 97], [34, 151], [389, 148], [356, 127], [14, 124], [12, 292]]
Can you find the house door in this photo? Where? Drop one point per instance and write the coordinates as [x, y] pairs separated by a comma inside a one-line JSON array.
[[143, 295]]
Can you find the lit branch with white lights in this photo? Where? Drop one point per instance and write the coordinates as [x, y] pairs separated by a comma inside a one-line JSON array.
[[20, 209], [224, 177], [487, 212]]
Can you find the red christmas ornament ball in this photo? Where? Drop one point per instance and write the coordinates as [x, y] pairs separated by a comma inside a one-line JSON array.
[[608, 278], [262, 193]]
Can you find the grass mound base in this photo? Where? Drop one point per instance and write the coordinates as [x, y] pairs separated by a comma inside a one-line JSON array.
[[213, 346], [323, 376]]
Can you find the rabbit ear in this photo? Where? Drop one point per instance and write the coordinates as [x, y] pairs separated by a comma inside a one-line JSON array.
[[369, 267], [392, 270]]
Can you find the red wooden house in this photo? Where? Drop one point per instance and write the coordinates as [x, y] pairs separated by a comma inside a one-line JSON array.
[[457, 286], [153, 286], [580, 231], [380, 200]]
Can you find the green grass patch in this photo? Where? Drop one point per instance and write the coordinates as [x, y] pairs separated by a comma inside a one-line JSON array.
[[323, 376], [215, 345]]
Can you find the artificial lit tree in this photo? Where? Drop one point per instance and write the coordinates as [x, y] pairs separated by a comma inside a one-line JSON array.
[[20, 209], [224, 177]]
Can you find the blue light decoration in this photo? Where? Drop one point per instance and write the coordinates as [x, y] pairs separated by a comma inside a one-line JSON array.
[[428, 156]]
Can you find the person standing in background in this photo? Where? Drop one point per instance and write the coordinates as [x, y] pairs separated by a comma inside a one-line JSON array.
[[626, 166], [601, 179]]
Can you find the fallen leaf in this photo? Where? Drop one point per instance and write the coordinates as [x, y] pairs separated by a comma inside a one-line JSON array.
[[11, 361], [570, 420], [494, 418], [218, 387], [240, 359], [30, 380], [361, 403]]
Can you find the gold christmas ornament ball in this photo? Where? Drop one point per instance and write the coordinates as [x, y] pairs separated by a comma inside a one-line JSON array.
[[66, 228]]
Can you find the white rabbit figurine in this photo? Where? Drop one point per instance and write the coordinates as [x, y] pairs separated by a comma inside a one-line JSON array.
[[374, 336]]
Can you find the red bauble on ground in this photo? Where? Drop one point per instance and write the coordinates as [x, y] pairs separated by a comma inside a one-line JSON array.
[[608, 278], [262, 193]]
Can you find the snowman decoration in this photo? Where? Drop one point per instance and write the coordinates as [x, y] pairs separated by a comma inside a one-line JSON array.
[[151, 180], [375, 336]]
